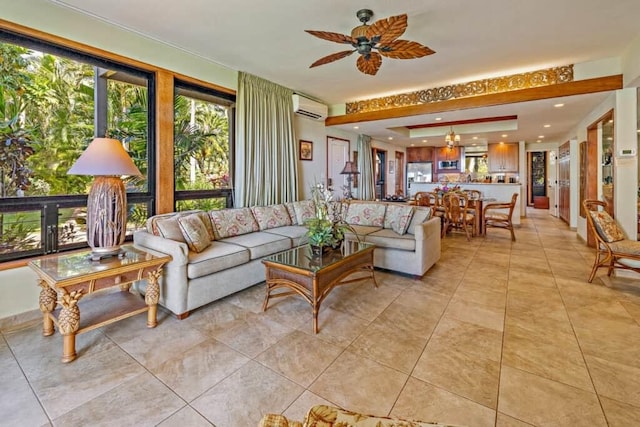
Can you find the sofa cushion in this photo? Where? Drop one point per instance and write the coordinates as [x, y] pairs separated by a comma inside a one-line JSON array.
[[217, 257], [194, 231], [606, 226], [371, 214], [420, 216], [169, 228], [261, 244], [292, 213], [152, 226], [304, 209], [398, 217], [387, 238], [297, 233], [271, 216], [233, 222]]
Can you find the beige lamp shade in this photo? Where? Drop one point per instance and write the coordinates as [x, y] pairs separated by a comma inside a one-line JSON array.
[[104, 157], [107, 160]]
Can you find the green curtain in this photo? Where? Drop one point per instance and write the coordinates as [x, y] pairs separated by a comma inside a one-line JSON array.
[[367, 189], [266, 150]]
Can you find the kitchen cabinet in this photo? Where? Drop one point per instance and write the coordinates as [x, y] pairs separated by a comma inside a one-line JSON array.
[[419, 154], [443, 154], [503, 157]]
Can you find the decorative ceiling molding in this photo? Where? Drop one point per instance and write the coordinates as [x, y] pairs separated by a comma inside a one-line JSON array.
[[546, 77]]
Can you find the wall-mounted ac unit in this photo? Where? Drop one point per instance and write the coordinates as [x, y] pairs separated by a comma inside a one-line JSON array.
[[309, 108]]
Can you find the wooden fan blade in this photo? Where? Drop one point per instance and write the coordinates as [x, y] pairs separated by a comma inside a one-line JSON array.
[[332, 37], [332, 57], [388, 29], [404, 49], [369, 64]]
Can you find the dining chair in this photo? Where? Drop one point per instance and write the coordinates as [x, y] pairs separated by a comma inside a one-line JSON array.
[[422, 198], [494, 215], [613, 249], [456, 215], [473, 197]]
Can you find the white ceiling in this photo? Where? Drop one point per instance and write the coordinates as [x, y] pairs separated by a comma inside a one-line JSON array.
[[472, 40]]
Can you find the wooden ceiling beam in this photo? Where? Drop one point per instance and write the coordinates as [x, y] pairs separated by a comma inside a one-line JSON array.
[[580, 87]]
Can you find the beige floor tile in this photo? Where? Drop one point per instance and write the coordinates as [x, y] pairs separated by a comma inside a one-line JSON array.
[[290, 311], [140, 400], [615, 380], [621, 345], [300, 357], [620, 414], [560, 360], [541, 401], [486, 297], [479, 314], [415, 321], [392, 347], [253, 334], [366, 302], [522, 280], [425, 299], [67, 386], [454, 335], [633, 309], [243, 397], [425, 402], [199, 368], [360, 384], [298, 409], [335, 327], [250, 299], [507, 421], [185, 417]]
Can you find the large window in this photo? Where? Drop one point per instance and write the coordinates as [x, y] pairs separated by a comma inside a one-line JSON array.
[[202, 148], [53, 101]]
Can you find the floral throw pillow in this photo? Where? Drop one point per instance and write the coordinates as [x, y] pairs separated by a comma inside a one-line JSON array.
[[305, 209], [606, 226], [195, 232], [420, 216], [398, 218], [370, 214], [271, 216], [233, 222]]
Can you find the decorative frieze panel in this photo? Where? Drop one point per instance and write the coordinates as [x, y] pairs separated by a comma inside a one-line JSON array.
[[549, 76]]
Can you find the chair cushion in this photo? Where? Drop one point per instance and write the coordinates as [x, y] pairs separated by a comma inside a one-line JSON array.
[[271, 216], [420, 216], [194, 231], [496, 216], [219, 256], [370, 214], [233, 222], [387, 238], [630, 247], [606, 226], [361, 230], [322, 415], [261, 244], [398, 218], [304, 210]]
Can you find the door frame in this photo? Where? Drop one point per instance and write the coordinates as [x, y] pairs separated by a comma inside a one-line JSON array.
[[336, 184]]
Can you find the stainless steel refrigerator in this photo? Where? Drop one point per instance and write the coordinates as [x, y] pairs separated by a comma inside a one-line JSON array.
[[418, 172]]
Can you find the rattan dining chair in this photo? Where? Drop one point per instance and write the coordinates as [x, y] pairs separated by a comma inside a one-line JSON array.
[[494, 215], [613, 249], [456, 215]]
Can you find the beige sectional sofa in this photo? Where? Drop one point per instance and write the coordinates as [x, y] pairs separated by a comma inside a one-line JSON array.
[[217, 253]]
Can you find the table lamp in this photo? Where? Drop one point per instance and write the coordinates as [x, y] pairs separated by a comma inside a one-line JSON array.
[[349, 169], [107, 160]]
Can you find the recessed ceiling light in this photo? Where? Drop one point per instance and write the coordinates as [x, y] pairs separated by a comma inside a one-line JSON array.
[[390, 138], [356, 127], [504, 135], [547, 126], [609, 138], [475, 137], [540, 136], [413, 145], [558, 105], [424, 140], [538, 141], [611, 121], [438, 119], [474, 144]]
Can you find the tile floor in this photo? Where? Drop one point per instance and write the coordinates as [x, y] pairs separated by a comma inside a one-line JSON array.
[[495, 334]]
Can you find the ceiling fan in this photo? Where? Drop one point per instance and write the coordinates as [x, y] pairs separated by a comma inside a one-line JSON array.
[[382, 36]]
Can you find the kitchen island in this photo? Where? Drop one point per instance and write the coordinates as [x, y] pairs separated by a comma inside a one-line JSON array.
[[502, 192]]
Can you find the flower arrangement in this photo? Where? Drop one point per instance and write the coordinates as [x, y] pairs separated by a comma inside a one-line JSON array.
[[446, 189], [328, 227]]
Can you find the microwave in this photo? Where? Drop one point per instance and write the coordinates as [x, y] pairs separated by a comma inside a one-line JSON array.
[[448, 164]]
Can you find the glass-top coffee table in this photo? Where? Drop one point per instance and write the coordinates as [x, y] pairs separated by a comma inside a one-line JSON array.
[[296, 271]]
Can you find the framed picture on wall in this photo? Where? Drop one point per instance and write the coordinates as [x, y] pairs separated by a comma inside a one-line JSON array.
[[306, 150], [392, 167]]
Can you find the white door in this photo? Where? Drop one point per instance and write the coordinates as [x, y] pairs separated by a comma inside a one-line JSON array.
[[337, 155], [552, 182]]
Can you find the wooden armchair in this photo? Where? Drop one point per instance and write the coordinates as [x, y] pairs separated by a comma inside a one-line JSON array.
[[456, 215], [613, 249], [494, 216]]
